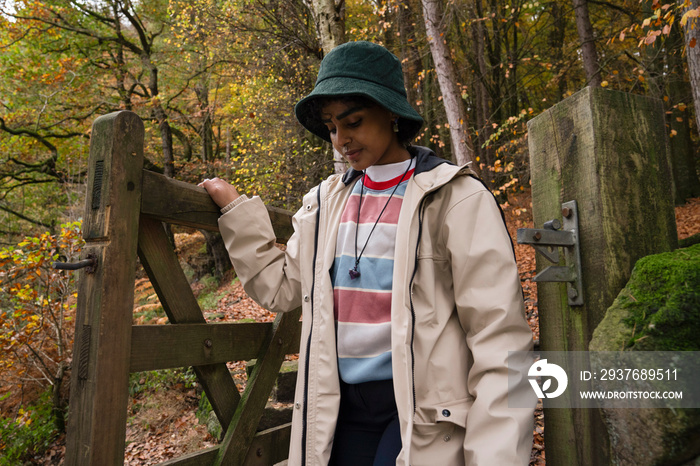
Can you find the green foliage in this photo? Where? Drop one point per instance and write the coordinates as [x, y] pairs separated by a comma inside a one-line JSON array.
[[209, 297], [29, 434], [507, 143], [37, 306], [209, 301], [210, 282], [224, 76], [148, 314], [142, 382]]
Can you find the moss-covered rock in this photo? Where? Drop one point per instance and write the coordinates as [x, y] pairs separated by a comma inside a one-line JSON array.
[[658, 310]]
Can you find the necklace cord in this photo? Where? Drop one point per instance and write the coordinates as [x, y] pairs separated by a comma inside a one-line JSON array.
[[354, 273]]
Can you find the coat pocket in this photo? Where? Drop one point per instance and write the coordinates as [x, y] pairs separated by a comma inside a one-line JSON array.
[[440, 439]]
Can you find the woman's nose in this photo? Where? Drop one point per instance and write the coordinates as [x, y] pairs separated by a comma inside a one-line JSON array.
[[342, 136]]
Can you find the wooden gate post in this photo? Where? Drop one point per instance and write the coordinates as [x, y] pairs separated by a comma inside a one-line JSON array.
[[101, 351], [608, 151]]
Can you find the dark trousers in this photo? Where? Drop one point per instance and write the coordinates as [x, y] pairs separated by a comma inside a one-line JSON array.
[[368, 425]]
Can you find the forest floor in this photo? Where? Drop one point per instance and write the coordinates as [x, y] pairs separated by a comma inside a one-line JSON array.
[[162, 420]]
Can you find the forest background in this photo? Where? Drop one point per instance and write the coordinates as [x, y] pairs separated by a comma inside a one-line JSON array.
[[215, 82]]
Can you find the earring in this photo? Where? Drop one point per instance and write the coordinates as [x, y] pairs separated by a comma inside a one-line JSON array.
[[396, 125]]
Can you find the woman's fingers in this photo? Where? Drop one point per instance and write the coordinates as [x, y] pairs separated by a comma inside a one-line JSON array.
[[221, 192]]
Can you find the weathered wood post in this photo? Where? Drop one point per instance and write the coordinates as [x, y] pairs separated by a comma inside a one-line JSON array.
[[608, 151], [101, 352]]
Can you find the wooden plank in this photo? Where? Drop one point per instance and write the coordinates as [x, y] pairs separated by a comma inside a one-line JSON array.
[[197, 458], [235, 446], [181, 203], [608, 151], [270, 446], [99, 384], [177, 202], [200, 344], [169, 281]]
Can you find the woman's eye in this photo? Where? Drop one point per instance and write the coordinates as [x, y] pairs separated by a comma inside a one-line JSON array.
[[354, 124]]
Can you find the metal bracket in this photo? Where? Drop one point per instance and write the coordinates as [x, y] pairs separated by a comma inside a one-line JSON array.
[[547, 242]]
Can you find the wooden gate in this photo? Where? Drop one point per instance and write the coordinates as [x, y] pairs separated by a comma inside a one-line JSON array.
[[124, 210]]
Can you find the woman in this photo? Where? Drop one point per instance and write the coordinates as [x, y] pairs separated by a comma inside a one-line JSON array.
[[409, 290]]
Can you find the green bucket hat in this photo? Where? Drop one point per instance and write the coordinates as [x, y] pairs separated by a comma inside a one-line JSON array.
[[362, 69]]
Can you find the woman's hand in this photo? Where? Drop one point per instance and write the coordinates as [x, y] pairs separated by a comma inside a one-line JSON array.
[[221, 192]]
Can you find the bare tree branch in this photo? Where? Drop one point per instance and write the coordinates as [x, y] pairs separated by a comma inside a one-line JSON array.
[[25, 218]]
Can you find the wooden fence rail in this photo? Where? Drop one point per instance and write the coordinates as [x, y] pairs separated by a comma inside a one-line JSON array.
[[124, 211]]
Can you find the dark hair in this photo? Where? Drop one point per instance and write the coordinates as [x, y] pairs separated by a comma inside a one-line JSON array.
[[316, 106]]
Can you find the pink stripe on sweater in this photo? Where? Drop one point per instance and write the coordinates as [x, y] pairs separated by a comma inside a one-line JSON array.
[[371, 207], [361, 306]]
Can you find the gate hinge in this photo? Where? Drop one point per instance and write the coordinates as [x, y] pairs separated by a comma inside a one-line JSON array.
[[547, 242]]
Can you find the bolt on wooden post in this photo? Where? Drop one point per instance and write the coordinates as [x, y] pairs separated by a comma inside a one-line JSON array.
[[101, 352], [608, 151]]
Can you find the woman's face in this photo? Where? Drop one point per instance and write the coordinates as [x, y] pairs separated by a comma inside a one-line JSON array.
[[363, 134]]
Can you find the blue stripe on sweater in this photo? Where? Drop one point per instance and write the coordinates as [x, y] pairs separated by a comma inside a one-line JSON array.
[[375, 273], [358, 370]]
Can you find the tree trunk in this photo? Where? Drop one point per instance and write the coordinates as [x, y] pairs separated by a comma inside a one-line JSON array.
[[217, 251], [186, 146], [409, 53], [692, 43], [556, 44], [120, 62], [683, 151], [456, 115], [512, 56], [483, 112], [58, 404], [166, 136], [683, 160], [207, 134], [587, 38], [494, 46], [329, 16]]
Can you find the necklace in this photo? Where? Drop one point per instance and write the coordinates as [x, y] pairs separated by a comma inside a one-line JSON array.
[[354, 273]]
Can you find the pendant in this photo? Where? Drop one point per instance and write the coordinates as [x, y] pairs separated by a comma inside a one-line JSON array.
[[354, 273]]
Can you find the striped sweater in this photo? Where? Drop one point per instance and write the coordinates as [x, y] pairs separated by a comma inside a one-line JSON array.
[[363, 305]]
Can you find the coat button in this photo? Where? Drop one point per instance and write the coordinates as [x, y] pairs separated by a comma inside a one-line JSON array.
[[297, 405], [446, 412], [447, 438], [306, 298]]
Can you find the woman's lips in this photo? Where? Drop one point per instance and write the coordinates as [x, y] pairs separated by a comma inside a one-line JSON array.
[[352, 154]]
